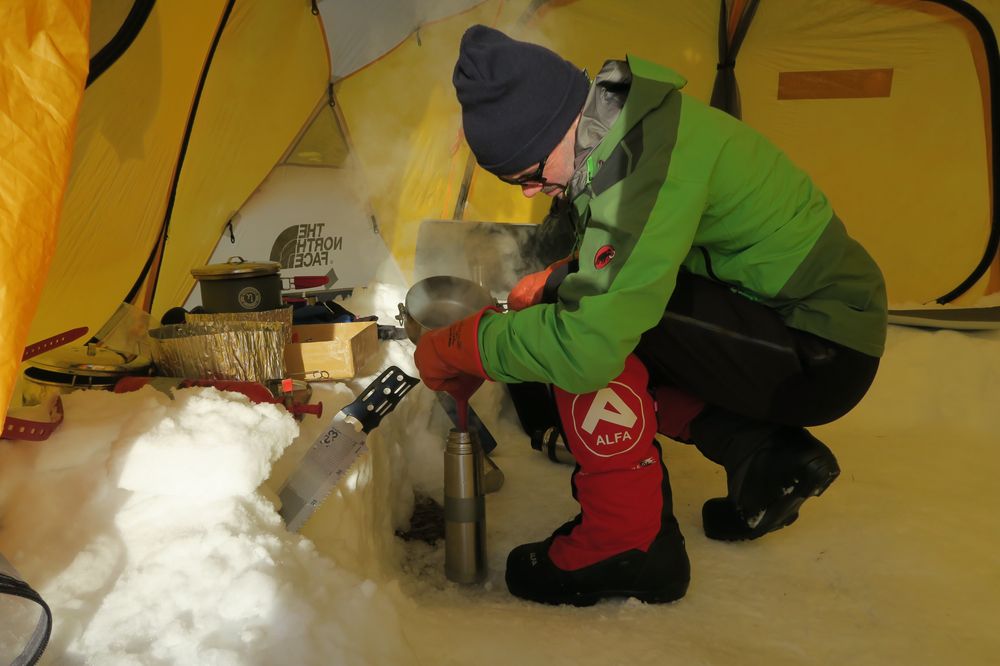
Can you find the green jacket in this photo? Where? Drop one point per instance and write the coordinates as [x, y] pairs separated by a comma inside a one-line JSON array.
[[664, 182]]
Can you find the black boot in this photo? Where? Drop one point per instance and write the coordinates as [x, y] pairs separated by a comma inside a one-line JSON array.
[[553, 445], [659, 575], [768, 487]]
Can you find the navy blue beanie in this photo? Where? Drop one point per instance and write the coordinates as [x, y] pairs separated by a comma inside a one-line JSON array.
[[518, 99]]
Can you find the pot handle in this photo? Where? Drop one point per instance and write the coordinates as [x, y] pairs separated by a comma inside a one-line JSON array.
[[305, 281], [240, 260]]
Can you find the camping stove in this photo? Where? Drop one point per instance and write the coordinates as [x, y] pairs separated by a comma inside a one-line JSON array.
[[464, 509]]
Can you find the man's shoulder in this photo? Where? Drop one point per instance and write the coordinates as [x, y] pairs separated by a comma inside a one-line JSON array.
[[655, 95], [651, 71]]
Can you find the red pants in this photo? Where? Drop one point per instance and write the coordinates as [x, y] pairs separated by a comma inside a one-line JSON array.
[[620, 481]]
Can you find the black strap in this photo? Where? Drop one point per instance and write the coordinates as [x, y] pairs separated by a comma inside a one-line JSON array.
[[725, 91], [119, 44], [708, 263], [165, 227], [992, 52], [550, 291]]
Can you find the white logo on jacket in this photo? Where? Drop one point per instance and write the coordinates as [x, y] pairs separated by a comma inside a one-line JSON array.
[[619, 414], [611, 424]]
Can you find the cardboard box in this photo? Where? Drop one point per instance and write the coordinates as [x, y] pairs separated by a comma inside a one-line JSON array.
[[340, 350]]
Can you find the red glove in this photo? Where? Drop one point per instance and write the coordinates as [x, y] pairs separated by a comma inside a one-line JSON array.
[[448, 358], [528, 291]]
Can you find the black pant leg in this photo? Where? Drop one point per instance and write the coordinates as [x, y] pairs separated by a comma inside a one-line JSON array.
[[738, 355], [535, 407]]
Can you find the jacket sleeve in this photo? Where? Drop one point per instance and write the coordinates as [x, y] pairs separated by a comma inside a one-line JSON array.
[[580, 343]]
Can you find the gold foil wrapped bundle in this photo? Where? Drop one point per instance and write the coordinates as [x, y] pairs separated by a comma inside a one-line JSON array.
[[280, 315], [221, 348]]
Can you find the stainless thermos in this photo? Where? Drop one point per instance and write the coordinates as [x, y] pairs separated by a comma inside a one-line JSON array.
[[464, 509]]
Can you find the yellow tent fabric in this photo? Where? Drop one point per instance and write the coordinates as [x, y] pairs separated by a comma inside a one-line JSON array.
[[929, 134], [909, 169], [43, 67], [267, 77], [869, 155], [404, 122], [85, 175], [127, 145], [269, 72]]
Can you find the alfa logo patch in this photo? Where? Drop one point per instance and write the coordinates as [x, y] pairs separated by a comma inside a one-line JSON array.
[[604, 257], [610, 421]]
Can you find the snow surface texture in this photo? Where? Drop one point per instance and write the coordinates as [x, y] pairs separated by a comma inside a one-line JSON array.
[[141, 523]]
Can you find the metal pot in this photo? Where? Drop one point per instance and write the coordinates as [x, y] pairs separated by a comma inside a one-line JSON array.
[[71, 369], [440, 301], [239, 285]]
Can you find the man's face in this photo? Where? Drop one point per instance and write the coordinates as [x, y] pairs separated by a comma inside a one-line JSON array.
[[555, 172]]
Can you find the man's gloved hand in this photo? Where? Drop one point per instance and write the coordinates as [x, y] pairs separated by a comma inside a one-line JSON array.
[[531, 288], [448, 358]]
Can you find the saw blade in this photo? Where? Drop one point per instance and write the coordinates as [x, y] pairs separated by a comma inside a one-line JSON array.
[[336, 449]]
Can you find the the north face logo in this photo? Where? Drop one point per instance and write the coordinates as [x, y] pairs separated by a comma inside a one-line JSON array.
[[305, 246], [610, 421]]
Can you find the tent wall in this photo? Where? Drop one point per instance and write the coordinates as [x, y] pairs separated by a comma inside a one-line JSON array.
[[43, 67], [267, 77], [990, 10], [127, 143], [908, 169], [361, 32], [909, 173], [405, 125]]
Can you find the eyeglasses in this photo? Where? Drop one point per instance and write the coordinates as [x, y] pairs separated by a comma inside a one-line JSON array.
[[533, 178]]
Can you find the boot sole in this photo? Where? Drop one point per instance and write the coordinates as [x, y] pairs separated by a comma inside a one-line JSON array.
[[583, 600], [813, 479]]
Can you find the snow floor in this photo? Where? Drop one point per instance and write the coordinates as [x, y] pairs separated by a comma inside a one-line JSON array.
[[145, 523]]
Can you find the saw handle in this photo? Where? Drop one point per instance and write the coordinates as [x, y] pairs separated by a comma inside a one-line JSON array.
[[380, 397], [316, 410]]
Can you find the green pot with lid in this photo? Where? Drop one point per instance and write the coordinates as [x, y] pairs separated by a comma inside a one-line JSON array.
[[239, 285]]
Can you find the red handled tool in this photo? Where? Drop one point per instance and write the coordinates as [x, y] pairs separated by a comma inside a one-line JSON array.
[[304, 282], [257, 392]]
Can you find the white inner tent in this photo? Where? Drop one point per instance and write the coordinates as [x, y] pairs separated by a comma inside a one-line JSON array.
[[149, 138]]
